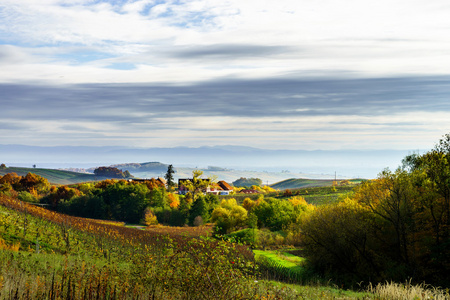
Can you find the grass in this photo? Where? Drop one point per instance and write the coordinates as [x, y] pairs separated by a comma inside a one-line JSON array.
[[283, 257], [320, 291], [408, 291]]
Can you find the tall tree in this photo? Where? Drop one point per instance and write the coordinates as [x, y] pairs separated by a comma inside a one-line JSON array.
[[169, 177]]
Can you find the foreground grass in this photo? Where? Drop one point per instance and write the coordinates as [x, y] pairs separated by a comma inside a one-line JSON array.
[[319, 291]]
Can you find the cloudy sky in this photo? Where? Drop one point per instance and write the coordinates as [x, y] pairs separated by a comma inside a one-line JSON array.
[[290, 74]]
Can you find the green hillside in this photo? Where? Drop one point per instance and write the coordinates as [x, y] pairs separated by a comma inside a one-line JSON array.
[[294, 183], [298, 183], [52, 175]]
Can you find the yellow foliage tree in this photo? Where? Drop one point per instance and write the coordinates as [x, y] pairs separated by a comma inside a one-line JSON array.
[[229, 216], [248, 204], [173, 200], [150, 218]]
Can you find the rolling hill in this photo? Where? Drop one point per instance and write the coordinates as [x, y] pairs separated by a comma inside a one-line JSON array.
[[296, 183], [52, 175]]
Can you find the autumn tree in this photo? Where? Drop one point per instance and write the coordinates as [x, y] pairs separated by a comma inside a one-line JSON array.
[[197, 184], [229, 216], [33, 182], [149, 217], [392, 202], [335, 238], [11, 178], [111, 172], [173, 200]]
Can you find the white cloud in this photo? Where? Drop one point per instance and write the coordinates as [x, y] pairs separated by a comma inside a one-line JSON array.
[[379, 38]]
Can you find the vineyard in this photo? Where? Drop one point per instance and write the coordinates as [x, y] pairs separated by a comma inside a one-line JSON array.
[[47, 255], [63, 257]]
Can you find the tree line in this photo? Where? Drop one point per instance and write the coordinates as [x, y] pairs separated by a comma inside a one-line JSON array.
[[391, 228]]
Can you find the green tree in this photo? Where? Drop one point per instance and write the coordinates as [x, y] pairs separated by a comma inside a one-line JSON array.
[[199, 208], [229, 216], [274, 213]]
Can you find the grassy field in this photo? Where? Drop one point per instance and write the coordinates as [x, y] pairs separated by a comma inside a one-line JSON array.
[[312, 195], [295, 183]]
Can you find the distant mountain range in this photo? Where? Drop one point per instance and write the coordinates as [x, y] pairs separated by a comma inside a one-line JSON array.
[[315, 164]]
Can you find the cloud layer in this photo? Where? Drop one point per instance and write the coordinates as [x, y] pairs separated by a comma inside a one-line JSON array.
[[332, 113]]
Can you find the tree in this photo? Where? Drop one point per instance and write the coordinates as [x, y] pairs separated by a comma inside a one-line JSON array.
[[199, 208], [335, 239], [127, 174], [196, 184], [274, 213], [391, 201], [173, 200], [150, 218], [246, 182], [169, 177], [3, 167], [34, 182], [11, 178], [229, 216], [109, 172]]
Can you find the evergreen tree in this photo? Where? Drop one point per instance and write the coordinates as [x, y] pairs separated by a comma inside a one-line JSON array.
[[169, 177], [199, 208]]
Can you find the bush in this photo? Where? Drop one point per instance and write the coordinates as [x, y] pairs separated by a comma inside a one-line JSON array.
[[27, 197]]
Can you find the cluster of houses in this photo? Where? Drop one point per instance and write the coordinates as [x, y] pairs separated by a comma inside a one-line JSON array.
[[220, 188]]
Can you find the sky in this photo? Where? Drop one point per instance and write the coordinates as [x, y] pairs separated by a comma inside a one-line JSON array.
[[271, 74]]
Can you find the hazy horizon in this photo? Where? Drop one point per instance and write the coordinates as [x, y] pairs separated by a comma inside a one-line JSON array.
[[346, 163]]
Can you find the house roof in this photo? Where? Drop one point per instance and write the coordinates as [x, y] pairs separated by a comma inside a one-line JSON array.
[[224, 185]]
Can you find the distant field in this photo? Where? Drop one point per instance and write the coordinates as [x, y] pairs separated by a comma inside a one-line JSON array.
[[52, 175], [313, 195], [294, 183]]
